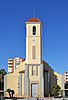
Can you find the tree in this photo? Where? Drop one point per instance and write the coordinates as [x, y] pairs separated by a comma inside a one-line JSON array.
[[2, 73], [11, 92], [56, 90]]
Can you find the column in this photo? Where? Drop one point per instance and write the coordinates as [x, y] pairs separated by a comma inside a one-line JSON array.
[[26, 80], [63, 88], [5, 84], [49, 83], [20, 84], [41, 81]]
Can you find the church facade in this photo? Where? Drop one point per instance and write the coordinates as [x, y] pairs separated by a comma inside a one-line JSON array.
[[33, 77]]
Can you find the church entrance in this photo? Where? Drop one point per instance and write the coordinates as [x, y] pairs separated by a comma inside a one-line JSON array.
[[34, 90]]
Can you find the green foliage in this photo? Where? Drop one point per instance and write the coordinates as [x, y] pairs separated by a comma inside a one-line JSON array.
[[11, 92], [2, 73], [56, 90]]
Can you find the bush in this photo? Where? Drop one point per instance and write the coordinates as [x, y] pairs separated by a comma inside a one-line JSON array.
[[56, 90]]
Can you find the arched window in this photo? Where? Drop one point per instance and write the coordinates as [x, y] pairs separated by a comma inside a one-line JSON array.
[[34, 30]]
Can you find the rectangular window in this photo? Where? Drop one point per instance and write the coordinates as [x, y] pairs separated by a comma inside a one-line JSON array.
[[36, 70], [33, 52], [33, 70]]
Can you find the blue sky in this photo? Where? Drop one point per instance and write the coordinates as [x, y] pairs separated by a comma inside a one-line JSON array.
[[53, 14]]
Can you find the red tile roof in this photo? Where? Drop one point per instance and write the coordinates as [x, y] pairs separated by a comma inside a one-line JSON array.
[[34, 20]]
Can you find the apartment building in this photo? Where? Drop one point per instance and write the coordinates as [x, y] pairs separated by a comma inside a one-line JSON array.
[[66, 77], [14, 63]]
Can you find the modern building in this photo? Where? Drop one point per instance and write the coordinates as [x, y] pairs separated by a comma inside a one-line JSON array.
[[33, 77], [66, 77], [62, 81], [13, 64], [65, 89]]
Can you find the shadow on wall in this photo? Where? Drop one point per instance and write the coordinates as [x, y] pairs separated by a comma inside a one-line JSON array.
[[50, 79]]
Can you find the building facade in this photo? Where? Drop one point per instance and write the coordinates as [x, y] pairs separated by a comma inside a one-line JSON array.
[[65, 89], [33, 77], [66, 77], [59, 79]]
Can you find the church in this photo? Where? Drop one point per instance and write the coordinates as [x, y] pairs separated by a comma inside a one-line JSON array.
[[33, 77]]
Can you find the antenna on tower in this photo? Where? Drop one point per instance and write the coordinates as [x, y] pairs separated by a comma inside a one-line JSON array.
[[34, 13]]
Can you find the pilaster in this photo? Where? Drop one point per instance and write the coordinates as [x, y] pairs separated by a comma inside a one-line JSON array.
[[41, 81], [20, 83], [63, 88], [5, 84], [26, 79]]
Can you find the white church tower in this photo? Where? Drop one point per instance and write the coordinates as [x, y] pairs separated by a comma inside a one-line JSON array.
[[34, 41], [34, 68]]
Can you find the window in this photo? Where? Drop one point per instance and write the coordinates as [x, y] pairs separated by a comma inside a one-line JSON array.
[[66, 75], [34, 30], [66, 72], [33, 52], [36, 70], [33, 70]]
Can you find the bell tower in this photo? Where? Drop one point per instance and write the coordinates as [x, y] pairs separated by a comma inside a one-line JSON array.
[[34, 79], [33, 41]]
